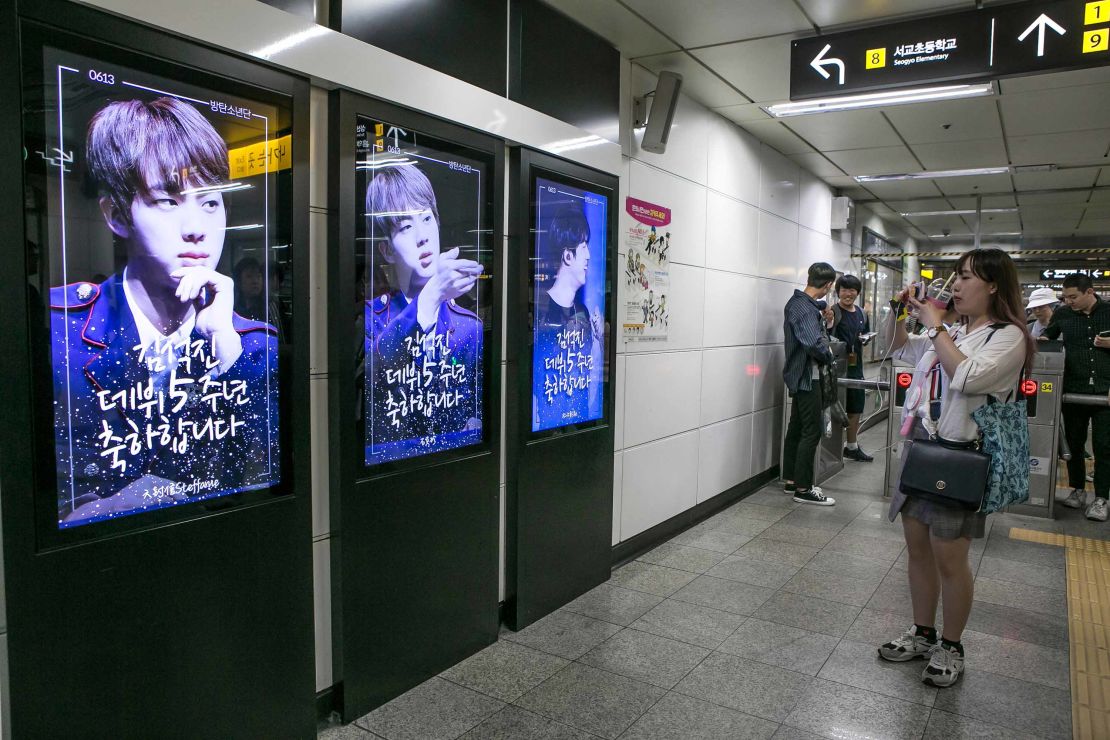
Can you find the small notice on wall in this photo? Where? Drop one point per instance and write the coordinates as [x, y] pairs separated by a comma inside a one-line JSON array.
[[646, 309]]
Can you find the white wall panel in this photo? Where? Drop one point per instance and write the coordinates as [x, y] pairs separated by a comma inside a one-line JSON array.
[[687, 203], [815, 204], [321, 599], [662, 395], [730, 309], [766, 439], [660, 480], [687, 301], [727, 379], [773, 295], [778, 184], [724, 459], [767, 385], [813, 247], [619, 385], [731, 234], [778, 248], [618, 486], [733, 166]]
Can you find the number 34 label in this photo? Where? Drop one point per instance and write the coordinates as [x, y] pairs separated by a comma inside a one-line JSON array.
[[1047, 387]]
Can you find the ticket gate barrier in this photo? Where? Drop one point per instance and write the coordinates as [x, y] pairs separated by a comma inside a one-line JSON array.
[[1042, 390], [828, 459]]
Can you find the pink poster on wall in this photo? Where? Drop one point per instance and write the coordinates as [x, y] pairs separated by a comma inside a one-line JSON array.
[[646, 310]]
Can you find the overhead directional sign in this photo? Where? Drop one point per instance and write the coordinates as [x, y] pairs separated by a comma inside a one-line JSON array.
[[995, 41], [1060, 274]]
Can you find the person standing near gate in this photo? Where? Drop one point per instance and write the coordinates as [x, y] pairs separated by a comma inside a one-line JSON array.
[[849, 323], [1084, 320], [807, 349]]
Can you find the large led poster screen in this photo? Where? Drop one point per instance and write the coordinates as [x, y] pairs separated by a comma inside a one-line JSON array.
[[569, 230], [423, 234], [154, 244]]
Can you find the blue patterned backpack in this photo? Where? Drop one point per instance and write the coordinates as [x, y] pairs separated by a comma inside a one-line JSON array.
[[1004, 427]]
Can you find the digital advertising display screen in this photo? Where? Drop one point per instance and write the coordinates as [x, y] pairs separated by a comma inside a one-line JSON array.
[[569, 251], [424, 293], [158, 241]]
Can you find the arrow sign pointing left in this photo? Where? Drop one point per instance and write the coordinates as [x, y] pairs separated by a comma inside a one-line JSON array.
[[1040, 26], [820, 62]]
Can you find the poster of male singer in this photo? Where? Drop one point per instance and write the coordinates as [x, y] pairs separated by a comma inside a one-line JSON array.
[[164, 392], [569, 305], [425, 226]]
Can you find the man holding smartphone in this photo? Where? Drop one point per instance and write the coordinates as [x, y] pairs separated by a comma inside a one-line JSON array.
[[1084, 321]]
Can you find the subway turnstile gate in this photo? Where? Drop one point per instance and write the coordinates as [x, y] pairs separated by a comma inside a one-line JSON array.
[[1043, 393]]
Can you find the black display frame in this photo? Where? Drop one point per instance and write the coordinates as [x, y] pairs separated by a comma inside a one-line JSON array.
[[442, 603], [227, 619], [559, 481]]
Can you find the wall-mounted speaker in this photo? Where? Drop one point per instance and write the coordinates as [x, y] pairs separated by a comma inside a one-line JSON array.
[[841, 212], [662, 112]]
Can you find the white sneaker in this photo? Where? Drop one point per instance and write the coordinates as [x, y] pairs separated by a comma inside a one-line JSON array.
[[1075, 499], [1098, 510], [945, 667], [908, 646]]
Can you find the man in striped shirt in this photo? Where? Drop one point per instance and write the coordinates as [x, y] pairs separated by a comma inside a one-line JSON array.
[[807, 349]]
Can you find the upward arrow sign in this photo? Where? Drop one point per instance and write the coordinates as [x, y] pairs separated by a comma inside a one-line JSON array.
[[1040, 25]]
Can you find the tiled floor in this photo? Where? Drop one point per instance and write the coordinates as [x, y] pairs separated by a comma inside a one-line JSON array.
[[762, 622]]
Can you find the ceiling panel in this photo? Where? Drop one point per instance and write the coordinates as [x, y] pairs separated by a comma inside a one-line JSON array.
[[995, 222], [1057, 179], [704, 22], [1069, 214], [961, 154], [1066, 198], [697, 81], [1095, 226], [992, 201], [1104, 177], [903, 189], [878, 161], [938, 203], [1054, 228], [1055, 80], [743, 113], [1076, 147], [618, 25], [937, 224], [837, 12], [818, 164], [1050, 111], [760, 68], [974, 185], [860, 129], [775, 134], [923, 123], [1099, 199]]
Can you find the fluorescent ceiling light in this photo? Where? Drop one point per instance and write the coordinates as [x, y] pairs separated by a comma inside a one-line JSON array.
[[933, 174], [875, 100], [971, 236], [959, 212]]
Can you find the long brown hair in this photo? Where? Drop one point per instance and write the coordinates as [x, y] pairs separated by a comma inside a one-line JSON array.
[[995, 266]]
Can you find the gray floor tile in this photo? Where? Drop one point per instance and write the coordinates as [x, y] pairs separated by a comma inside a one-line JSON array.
[[645, 657], [1001, 546], [868, 547], [858, 664], [1015, 704], [565, 634], [833, 586], [777, 552], [678, 716], [849, 565], [835, 710], [1017, 659], [737, 521], [613, 604], [652, 579], [434, 710], [746, 686], [786, 732], [715, 540], [945, 726], [831, 518], [893, 595], [1032, 598], [787, 647], [808, 613], [345, 732], [514, 723], [766, 513], [879, 530], [874, 627], [755, 572], [690, 623], [729, 596], [1043, 576], [590, 699], [1050, 630], [773, 497], [691, 559], [504, 670], [795, 535], [1040, 524]]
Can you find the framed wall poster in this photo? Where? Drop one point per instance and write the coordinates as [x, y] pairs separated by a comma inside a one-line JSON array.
[[647, 275]]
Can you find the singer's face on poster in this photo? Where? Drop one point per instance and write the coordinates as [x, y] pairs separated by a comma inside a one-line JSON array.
[[577, 262], [413, 247]]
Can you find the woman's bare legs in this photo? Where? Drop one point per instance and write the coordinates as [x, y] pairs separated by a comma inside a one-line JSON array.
[[957, 583], [924, 583]]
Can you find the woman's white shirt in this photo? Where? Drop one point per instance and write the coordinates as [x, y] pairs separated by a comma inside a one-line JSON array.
[[990, 368]]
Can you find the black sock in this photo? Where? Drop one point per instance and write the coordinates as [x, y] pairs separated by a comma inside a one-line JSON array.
[[929, 633], [946, 644]]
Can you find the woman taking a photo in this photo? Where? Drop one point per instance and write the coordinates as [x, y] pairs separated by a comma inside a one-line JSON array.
[[956, 370]]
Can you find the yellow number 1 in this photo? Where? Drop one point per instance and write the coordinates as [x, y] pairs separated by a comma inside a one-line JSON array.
[[1096, 12]]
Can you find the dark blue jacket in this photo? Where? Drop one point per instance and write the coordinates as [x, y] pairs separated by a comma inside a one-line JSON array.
[[425, 389], [117, 436]]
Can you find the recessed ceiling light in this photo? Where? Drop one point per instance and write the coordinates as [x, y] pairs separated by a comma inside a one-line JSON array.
[[959, 212], [971, 236], [876, 100], [933, 174]]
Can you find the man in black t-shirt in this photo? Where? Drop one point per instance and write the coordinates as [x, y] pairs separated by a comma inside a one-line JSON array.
[[849, 323]]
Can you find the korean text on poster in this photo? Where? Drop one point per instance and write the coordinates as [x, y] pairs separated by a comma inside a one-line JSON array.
[[646, 310]]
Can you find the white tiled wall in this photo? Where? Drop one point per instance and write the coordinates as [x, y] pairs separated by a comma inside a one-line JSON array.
[[701, 412]]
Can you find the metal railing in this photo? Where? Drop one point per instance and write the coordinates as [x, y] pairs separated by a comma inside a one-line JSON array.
[[1084, 399]]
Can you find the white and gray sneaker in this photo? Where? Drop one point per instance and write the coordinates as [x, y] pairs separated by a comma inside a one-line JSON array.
[[814, 496], [1097, 511], [1075, 499], [908, 646], [945, 667]]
